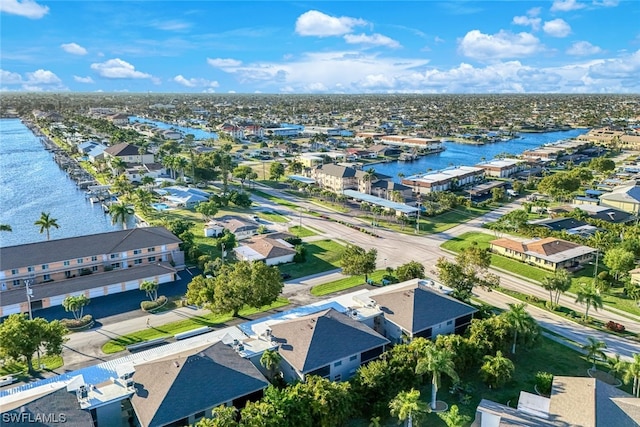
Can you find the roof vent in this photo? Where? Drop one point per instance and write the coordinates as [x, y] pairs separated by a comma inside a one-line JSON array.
[[176, 364]]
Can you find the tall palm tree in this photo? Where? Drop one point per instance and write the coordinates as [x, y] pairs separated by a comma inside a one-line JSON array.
[[118, 165], [46, 223], [520, 321], [633, 372], [75, 304], [496, 370], [436, 362], [589, 295], [271, 359], [617, 366], [5, 227], [120, 213], [407, 405], [594, 350], [150, 288]]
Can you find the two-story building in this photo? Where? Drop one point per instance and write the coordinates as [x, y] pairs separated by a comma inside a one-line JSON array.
[[128, 153], [502, 168]]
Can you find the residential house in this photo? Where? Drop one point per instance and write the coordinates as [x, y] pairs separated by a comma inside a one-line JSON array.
[[128, 153], [93, 265], [445, 179], [601, 212], [574, 401], [549, 253], [385, 150], [182, 388], [119, 119], [419, 310], [270, 248], [623, 197], [566, 224], [234, 131], [327, 343], [187, 197], [171, 134], [502, 168], [243, 228]]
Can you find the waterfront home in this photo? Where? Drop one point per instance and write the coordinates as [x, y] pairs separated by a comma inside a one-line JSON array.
[[183, 196], [410, 141], [623, 197], [327, 343], [272, 249], [549, 253], [93, 265], [128, 153], [502, 168], [445, 179], [385, 150]]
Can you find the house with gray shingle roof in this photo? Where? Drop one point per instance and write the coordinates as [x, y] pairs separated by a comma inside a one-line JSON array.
[[328, 343], [181, 389], [57, 408], [272, 249], [416, 311]]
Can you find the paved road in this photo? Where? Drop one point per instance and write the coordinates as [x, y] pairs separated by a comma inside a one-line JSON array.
[[393, 249]]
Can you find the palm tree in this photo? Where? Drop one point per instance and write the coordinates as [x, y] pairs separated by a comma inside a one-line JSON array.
[[594, 350], [590, 296], [5, 227], [496, 370], [118, 165], [150, 288], [521, 322], [120, 213], [75, 304], [436, 362], [617, 366], [407, 405], [633, 372], [271, 359], [559, 282], [46, 223]]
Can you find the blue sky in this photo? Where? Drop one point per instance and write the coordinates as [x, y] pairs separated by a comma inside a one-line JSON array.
[[562, 46]]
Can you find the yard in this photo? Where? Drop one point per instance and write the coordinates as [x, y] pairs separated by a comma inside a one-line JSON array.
[[345, 283], [323, 255]]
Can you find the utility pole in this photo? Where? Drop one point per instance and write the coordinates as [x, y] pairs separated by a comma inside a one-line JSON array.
[[418, 220], [27, 283]]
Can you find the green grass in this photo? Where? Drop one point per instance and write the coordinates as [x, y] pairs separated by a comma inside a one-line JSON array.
[[170, 329], [346, 283], [273, 217], [275, 199], [302, 232], [19, 369], [323, 255], [613, 298]]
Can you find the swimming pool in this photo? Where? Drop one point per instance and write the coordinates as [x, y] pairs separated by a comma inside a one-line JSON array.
[[160, 206]]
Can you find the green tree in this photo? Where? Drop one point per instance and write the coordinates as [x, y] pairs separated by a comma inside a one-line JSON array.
[[221, 416], [243, 173], [408, 407], [46, 223], [271, 359], [619, 261], [521, 322], [436, 362], [120, 213], [453, 417], [21, 337], [207, 209], [276, 171], [355, 261], [5, 227], [595, 351], [590, 296], [617, 366], [557, 284], [559, 184], [262, 413], [410, 270], [200, 290], [633, 373], [602, 164], [497, 194], [496, 370], [150, 288], [76, 304], [469, 269]]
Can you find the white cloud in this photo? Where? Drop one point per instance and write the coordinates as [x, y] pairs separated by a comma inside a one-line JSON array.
[[79, 79], [583, 48], [27, 8], [502, 45], [566, 5], [172, 25], [557, 28], [73, 48], [374, 40], [195, 82], [626, 68], [314, 23], [41, 76], [606, 3], [9, 78], [223, 62], [118, 69], [534, 23]]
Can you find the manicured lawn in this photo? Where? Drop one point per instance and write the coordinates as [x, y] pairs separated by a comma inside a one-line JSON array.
[[346, 283], [614, 298], [323, 255], [170, 329], [275, 199], [273, 217], [302, 231], [19, 369]]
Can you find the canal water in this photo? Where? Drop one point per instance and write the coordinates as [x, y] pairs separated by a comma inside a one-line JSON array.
[[31, 182], [457, 154], [198, 134]]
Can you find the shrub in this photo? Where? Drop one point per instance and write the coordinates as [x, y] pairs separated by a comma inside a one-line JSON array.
[[77, 323], [152, 305], [543, 382]]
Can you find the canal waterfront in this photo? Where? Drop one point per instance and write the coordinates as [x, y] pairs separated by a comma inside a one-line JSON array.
[[198, 134], [31, 182], [457, 154]]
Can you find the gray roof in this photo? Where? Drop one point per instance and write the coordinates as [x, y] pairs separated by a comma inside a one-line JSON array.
[[624, 194], [337, 170], [84, 246], [415, 308], [174, 388], [48, 410], [123, 149], [314, 341]]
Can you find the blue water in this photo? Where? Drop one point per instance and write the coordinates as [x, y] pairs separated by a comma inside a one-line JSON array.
[[199, 134], [31, 182], [457, 154]]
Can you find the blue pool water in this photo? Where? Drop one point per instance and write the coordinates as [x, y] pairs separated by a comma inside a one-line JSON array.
[[160, 206]]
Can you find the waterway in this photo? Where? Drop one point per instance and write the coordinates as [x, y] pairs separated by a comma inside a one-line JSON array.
[[31, 183], [457, 154], [198, 134]]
